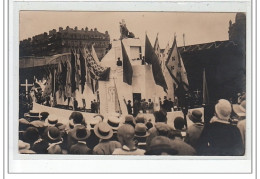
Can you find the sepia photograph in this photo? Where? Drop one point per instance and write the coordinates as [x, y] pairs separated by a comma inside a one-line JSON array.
[[132, 83]]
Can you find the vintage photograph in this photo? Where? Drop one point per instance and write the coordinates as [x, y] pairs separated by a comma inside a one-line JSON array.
[[132, 83]]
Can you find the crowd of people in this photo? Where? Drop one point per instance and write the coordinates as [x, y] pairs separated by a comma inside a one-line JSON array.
[[222, 135]]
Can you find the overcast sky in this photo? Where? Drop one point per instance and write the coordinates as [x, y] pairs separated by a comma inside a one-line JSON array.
[[198, 27]]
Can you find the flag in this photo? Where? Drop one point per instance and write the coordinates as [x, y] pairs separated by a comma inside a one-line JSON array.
[[94, 54], [157, 47], [127, 67], [77, 68], [176, 68], [97, 72], [205, 89], [73, 71], [82, 71], [151, 58], [68, 79], [48, 88], [165, 56]]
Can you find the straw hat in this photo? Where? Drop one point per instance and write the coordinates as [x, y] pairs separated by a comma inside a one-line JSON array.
[[80, 133], [113, 122], [103, 130]]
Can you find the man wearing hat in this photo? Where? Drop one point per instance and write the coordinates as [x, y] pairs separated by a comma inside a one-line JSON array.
[[55, 140], [219, 137], [93, 140], [194, 131], [160, 128], [141, 134], [106, 146], [51, 144], [129, 107], [240, 111], [114, 122], [161, 145], [125, 136], [81, 134], [129, 119]]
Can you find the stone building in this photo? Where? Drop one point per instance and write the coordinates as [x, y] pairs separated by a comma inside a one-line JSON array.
[[61, 41]]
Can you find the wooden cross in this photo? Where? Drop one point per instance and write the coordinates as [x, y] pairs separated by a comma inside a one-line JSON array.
[[26, 87]]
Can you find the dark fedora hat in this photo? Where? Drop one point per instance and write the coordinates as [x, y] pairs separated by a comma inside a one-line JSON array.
[[141, 130], [103, 130], [31, 134], [80, 133], [195, 116], [53, 134]]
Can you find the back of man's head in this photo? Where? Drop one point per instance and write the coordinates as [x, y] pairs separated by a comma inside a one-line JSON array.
[[77, 117], [160, 116], [125, 133]]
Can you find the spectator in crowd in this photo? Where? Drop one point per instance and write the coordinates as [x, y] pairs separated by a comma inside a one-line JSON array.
[[125, 136], [145, 105], [149, 124], [93, 140], [24, 148], [161, 145], [170, 105], [141, 134], [119, 62], [114, 122], [54, 139], [106, 146], [219, 137], [129, 119], [31, 135], [75, 104], [96, 106], [165, 104], [129, 107], [92, 106], [81, 134], [240, 111], [179, 125], [76, 119], [140, 119], [136, 107], [180, 146], [160, 127], [194, 131], [150, 106]]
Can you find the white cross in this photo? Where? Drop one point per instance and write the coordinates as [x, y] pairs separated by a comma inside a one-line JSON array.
[[197, 92], [26, 86]]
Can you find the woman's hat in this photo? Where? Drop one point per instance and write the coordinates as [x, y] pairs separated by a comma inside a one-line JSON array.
[[195, 116], [240, 110], [53, 134], [223, 109], [141, 130], [103, 130], [113, 122], [81, 133]]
